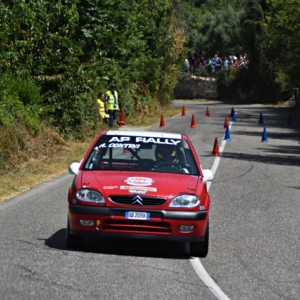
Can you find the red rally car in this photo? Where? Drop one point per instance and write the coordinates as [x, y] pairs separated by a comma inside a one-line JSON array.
[[140, 184]]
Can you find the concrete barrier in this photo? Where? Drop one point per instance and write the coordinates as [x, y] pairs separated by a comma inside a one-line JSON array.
[[194, 87]]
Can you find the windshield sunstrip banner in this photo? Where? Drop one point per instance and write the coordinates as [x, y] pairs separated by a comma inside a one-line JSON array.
[[135, 142]]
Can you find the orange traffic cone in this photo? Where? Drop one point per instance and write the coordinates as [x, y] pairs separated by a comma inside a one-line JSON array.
[[122, 119], [183, 111], [162, 121], [193, 122], [226, 123], [216, 148], [207, 114], [232, 111]]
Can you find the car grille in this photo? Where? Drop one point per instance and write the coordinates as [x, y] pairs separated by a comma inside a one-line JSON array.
[[128, 200], [137, 225]]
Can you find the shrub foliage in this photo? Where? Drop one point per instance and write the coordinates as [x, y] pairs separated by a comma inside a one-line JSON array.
[[72, 49]]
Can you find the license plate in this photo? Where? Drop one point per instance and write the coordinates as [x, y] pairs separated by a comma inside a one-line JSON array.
[[137, 215]]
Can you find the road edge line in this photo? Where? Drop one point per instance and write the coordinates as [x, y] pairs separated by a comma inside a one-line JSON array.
[[195, 261], [207, 280]]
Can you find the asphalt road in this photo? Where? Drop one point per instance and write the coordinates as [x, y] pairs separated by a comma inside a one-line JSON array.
[[254, 225]]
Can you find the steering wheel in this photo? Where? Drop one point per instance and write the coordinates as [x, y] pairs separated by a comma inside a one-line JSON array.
[[168, 165], [171, 167]]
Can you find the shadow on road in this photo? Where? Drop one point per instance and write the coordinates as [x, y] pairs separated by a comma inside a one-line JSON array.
[[286, 156], [127, 247], [292, 135]]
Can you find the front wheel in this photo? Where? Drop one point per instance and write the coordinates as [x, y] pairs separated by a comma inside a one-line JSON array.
[[73, 241], [200, 249]]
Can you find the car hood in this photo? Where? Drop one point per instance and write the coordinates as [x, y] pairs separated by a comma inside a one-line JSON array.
[[158, 184]]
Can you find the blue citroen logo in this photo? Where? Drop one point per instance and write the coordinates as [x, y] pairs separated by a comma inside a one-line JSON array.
[[137, 200]]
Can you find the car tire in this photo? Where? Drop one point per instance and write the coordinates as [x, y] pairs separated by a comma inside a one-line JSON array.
[[73, 241], [200, 249]]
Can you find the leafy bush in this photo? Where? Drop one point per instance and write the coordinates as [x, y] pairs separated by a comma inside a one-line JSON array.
[[23, 88], [73, 50], [14, 112]]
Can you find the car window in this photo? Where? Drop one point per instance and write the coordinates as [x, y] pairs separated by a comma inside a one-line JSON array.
[[135, 153]]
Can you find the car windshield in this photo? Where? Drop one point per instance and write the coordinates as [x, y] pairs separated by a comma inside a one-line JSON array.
[[170, 154]]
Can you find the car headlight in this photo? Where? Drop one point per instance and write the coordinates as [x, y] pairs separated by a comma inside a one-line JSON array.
[[89, 196], [185, 201]]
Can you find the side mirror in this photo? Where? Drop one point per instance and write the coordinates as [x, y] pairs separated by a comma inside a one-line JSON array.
[[74, 167], [207, 175]]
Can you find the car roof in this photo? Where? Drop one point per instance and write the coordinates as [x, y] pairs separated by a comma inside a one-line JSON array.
[[144, 133]]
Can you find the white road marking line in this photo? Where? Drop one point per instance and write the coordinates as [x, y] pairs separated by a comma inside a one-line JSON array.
[[195, 261], [207, 280]]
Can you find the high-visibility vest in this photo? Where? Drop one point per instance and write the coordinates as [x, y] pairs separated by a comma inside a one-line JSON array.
[[102, 109], [111, 105]]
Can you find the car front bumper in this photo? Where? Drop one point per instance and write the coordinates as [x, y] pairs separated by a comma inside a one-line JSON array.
[[162, 225]]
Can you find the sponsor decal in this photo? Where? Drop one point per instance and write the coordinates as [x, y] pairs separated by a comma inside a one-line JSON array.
[[157, 141], [119, 139], [138, 188], [110, 187], [120, 145], [137, 192], [140, 139], [139, 181], [135, 142]]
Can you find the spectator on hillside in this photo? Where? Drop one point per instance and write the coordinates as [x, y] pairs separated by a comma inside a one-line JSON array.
[[196, 64], [204, 63], [112, 104], [241, 62], [214, 61], [230, 61], [209, 65], [225, 62], [103, 116], [219, 64], [186, 68], [235, 62]]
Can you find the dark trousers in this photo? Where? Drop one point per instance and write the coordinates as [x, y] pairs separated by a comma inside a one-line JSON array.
[[112, 117]]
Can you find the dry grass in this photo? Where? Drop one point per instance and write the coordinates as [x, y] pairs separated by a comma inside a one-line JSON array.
[[59, 156], [149, 116], [41, 170]]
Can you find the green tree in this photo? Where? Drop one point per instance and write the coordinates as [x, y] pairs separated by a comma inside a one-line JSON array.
[[212, 26], [282, 44], [73, 48], [268, 33]]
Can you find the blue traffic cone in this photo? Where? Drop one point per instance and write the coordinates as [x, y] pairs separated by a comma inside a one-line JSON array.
[[233, 119], [289, 120], [227, 134], [264, 136], [261, 119]]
